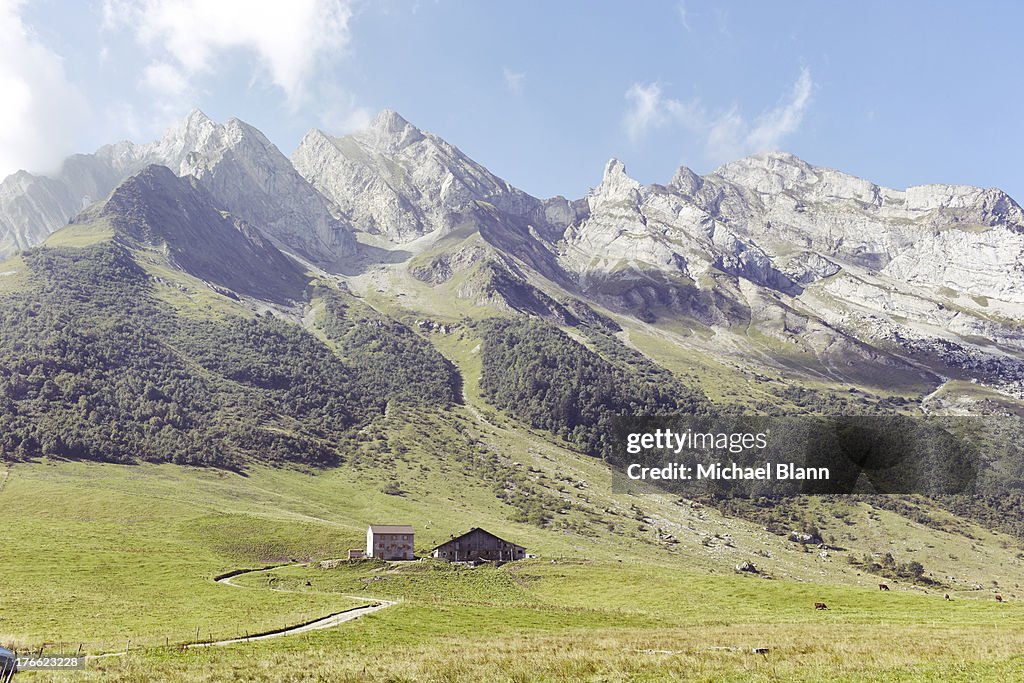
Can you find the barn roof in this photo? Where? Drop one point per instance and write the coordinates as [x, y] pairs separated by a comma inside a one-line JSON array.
[[476, 528], [391, 528]]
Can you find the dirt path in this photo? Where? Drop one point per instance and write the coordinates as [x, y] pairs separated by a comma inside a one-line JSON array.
[[926, 399], [327, 622], [330, 621]]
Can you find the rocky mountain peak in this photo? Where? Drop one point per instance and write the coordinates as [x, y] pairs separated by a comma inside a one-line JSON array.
[[176, 214], [390, 132], [615, 183], [686, 181], [613, 168], [195, 125], [768, 172], [239, 129], [389, 121], [196, 118], [396, 180], [154, 177], [315, 136]]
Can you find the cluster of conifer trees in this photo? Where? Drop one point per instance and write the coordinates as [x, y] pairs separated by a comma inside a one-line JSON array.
[[540, 375], [94, 366]]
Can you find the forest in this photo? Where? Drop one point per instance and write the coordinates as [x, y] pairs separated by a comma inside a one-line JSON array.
[[93, 366], [540, 375]]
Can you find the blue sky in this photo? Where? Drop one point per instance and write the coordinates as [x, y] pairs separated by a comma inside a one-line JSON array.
[[542, 93]]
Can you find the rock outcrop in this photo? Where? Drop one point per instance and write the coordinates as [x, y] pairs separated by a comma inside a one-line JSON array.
[[395, 180], [836, 264], [156, 208], [242, 170]]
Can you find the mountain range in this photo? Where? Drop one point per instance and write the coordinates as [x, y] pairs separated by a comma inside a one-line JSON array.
[[768, 261], [206, 300], [214, 356]]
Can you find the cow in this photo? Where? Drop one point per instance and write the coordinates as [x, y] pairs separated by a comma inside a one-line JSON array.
[[949, 598], [883, 586], [999, 598], [820, 605]]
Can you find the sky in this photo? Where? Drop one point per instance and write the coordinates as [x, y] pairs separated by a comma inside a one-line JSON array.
[[542, 93]]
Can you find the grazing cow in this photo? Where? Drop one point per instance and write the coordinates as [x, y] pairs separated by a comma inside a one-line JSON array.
[[948, 598], [820, 605], [999, 598], [883, 586]]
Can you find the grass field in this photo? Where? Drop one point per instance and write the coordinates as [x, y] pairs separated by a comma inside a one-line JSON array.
[[98, 554], [606, 622], [626, 587]]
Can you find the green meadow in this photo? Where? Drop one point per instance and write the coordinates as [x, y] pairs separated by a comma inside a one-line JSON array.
[[99, 554]]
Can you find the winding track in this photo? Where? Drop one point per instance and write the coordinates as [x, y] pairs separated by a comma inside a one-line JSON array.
[[330, 621]]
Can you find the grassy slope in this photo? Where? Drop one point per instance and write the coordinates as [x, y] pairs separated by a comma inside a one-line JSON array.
[[99, 554], [148, 539]]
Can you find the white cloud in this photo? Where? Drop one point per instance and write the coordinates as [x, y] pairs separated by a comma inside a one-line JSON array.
[[188, 39], [646, 109], [514, 80], [339, 113], [726, 135], [774, 125], [165, 78], [684, 15], [41, 109]]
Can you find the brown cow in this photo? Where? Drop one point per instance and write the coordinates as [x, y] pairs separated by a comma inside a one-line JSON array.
[[820, 605], [883, 586], [999, 598]]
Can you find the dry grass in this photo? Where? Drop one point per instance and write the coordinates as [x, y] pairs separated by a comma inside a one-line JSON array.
[[802, 653]]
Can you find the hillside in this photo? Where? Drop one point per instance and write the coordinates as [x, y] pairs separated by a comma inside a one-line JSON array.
[[232, 360]]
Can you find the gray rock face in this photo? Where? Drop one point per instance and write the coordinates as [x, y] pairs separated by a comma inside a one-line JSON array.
[[763, 237], [247, 175], [774, 219], [769, 241], [235, 163], [754, 242], [176, 215], [965, 238], [31, 206], [397, 181]]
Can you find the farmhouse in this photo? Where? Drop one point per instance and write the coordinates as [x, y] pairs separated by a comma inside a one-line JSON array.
[[477, 544], [389, 541]]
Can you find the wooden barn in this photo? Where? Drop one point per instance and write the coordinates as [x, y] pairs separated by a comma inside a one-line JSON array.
[[478, 544], [389, 541]]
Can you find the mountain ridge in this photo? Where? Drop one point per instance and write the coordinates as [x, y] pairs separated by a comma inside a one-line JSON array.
[[814, 260], [175, 214]]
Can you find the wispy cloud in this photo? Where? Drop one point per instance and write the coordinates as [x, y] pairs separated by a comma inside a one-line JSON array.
[[42, 110], [684, 15], [725, 134], [646, 109], [189, 39], [777, 123], [166, 79], [514, 80], [339, 112]]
